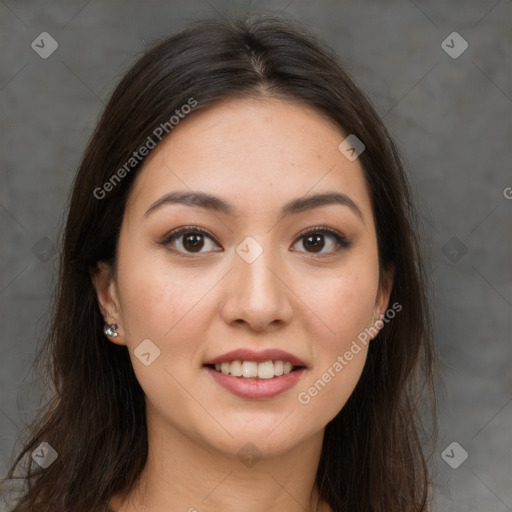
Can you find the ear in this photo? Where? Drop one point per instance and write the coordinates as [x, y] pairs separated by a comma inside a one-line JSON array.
[[383, 295], [102, 277], [384, 292]]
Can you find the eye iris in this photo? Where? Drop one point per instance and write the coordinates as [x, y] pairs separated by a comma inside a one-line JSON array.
[[193, 242], [317, 242]]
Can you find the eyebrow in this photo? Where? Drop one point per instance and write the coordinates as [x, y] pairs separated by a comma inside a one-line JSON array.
[[299, 205]]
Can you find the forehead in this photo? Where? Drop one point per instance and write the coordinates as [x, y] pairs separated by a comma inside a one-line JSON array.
[[255, 153]]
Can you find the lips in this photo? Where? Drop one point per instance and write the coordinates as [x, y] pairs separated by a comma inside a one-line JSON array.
[[257, 357], [256, 375]]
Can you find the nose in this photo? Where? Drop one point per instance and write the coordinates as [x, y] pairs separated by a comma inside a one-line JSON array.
[[257, 295]]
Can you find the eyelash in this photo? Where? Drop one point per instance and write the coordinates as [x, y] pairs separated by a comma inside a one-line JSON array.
[[340, 241]]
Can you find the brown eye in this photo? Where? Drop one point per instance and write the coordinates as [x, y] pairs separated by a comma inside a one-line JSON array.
[[193, 243], [315, 240], [190, 240], [313, 243]]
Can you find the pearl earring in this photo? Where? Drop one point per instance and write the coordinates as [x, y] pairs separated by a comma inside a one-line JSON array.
[[110, 331]]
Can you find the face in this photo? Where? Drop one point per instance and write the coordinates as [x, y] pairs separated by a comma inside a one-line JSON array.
[[255, 273]]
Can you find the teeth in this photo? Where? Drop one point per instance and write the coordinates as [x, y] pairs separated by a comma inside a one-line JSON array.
[[266, 370], [252, 369], [249, 369], [236, 369]]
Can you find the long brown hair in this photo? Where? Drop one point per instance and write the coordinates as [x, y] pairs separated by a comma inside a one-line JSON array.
[[374, 452]]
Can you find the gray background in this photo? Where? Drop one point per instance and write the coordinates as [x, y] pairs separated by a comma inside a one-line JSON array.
[[450, 116]]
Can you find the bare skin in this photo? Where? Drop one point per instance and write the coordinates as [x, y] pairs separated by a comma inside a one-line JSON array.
[[196, 301]]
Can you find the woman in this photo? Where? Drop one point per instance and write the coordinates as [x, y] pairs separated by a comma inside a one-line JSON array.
[[241, 318]]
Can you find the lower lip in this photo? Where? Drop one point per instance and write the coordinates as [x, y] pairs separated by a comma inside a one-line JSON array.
[[256, 388]]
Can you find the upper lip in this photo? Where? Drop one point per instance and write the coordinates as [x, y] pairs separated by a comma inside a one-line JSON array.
[[246, 354]]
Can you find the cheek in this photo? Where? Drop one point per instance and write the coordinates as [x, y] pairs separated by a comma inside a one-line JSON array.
[[158, 301], [327, 391], [340, 353], [345, 305], [169, 308]]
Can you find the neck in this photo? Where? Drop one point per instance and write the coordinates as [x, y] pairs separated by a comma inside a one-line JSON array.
[[182, 473]]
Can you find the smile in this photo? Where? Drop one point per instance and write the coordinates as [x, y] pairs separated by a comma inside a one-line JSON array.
[[256, 375], [253, 369]]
